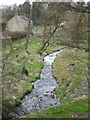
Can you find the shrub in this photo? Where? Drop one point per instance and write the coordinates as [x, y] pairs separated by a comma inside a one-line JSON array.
[[2, 26], [18, 35]]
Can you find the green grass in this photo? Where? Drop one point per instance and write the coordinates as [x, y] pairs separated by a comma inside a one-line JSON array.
[[71, 71], [32, 62], [75, 109]]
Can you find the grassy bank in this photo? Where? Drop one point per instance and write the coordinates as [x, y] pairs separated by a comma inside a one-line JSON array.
[[75, 109], [33, 63], [71, 71]]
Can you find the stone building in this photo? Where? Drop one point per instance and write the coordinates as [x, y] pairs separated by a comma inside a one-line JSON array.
[[18, 24]]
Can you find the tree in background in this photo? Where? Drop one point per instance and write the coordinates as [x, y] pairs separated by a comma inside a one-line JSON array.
[[3, 26], [7, 13], [52, 22], [24, 9], [76, 28], [38, 10]]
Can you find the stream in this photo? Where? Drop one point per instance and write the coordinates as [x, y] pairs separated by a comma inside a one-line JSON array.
[[42, 95]]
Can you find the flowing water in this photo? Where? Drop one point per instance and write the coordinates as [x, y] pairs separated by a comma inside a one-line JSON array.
[[42, 95]]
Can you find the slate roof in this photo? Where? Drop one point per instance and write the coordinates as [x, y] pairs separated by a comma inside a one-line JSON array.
[[24, 18]]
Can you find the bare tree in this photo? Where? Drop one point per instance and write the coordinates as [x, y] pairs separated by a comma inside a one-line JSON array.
[[57, 18]]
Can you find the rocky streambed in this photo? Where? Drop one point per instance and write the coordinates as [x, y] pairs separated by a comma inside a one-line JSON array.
[[42, 95]]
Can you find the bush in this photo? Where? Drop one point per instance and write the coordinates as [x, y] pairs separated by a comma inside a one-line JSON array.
[[18, 35], [2, 26]]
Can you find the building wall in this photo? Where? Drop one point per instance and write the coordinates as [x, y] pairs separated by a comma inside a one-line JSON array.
[[16, 24]]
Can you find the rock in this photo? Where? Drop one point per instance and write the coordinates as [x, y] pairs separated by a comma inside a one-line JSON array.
[[14, 97], [36, 95], [53, 96], [50, 104], [17, 55], [25, 71], [16, 104], [45, 94], [41, 99], [72, 64], [47, 91]]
